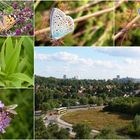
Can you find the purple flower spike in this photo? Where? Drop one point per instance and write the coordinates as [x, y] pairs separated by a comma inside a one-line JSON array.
[[21, 20], [15, 5], [4, 121], [29, 26], [31, 32], [5, 117], [26, 9], [18, 31], [1, 105]]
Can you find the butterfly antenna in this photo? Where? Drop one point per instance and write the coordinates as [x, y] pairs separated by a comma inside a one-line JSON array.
[[48, 37]]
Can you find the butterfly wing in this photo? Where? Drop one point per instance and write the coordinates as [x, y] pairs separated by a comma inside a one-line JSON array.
[[11, 108], [8, 22], [60, 24], [12, 112]]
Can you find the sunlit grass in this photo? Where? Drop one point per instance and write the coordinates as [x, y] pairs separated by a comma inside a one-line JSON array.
[[97, 118]]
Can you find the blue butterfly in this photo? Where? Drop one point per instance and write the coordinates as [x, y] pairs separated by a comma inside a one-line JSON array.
[[60, 24]]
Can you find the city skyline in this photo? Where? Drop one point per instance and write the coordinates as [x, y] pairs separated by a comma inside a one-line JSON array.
[[87, 63]]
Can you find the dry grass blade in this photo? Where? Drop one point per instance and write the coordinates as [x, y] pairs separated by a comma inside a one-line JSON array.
[[84, 8], [130, 24]]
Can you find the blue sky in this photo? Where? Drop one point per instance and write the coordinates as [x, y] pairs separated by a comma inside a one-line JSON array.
[[87, 62]]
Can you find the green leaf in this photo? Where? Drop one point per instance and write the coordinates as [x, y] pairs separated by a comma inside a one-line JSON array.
[[2, 73], [16, 83], [9, 46], [29, 52], [21, 77], [22, 64], [14, 58], [29, 48], [3, 56], [2, 84]]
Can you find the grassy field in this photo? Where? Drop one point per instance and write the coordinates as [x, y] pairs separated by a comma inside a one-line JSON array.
[[97, 118]]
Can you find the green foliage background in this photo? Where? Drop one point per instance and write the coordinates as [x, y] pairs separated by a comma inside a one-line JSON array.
[[94, 31], [22, 125], [16, 62]]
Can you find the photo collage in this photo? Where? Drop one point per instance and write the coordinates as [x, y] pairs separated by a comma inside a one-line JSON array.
[[69, 69]]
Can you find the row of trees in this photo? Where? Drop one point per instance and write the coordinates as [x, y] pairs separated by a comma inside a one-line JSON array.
[[90, 86], [130, 105], [55, 103]]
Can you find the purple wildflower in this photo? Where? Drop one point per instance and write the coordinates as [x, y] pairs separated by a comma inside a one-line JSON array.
[[5, 118], [24, 29], [1, 104], [21, 20], [31, 15], [26, 9], [15, 5], [29, 26], [18, 31], [31, 32], [4, 121], [20, 13]]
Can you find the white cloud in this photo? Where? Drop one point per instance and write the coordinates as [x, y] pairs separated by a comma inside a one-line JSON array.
[[122, 52], [132, 61], [63, 56], [40, 56], [74, 59]]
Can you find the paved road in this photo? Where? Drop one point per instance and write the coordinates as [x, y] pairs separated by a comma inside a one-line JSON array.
[[63, 124], [56, 119]]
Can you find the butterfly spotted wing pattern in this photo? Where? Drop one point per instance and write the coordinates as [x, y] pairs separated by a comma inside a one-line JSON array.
[[60, 24], [7, 22]]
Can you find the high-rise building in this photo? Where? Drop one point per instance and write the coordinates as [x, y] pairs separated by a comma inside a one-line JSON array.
[[118, 76], [64, 76], [75, 77]]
